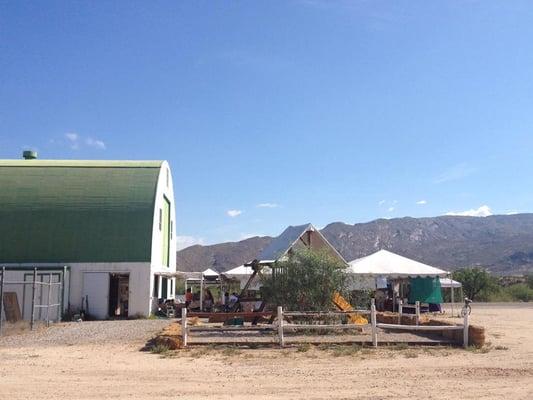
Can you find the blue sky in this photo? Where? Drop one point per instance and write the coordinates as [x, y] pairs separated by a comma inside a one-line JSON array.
[[274, 113]]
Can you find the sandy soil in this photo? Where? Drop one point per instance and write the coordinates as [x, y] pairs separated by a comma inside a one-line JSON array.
[[120, 370]]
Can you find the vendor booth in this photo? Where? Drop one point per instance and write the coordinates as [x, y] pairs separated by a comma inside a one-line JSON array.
[[397, 277]]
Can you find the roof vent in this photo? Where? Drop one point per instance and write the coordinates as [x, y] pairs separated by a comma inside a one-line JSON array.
[[29, 154]]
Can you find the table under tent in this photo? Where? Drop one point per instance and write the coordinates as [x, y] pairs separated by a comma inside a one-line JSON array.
[[198, 282], [399, 278]]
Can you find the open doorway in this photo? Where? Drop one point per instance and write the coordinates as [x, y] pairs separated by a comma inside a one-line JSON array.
[[119, 290]]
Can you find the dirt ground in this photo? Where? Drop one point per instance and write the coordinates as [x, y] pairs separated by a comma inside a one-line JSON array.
[[117, 370]]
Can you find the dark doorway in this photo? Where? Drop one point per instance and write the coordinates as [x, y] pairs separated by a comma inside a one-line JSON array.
[[119, 290]]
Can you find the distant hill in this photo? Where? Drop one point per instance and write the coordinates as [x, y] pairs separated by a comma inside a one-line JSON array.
[[500, 243]]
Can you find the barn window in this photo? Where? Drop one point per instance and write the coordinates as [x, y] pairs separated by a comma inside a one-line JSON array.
[[171, 229], [160, 219], [168, 178]]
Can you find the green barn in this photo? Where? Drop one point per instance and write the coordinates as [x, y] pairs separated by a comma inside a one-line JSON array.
[[112, 223]]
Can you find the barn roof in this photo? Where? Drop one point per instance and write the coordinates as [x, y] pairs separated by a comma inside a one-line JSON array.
[[76, 211]]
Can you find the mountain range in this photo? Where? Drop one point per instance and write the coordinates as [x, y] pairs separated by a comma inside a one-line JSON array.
[[503, 244]]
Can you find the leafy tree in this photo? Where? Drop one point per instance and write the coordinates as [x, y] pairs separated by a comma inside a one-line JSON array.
[[475, 281], [529, 281], [306, 281]]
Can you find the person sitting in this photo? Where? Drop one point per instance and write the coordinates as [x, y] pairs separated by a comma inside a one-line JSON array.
[[209, 300], [188, 298]]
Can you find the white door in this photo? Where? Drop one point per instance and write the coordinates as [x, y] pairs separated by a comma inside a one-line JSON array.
[[96, 294]]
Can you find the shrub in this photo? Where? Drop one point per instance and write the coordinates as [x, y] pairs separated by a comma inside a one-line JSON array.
[[306, 281]]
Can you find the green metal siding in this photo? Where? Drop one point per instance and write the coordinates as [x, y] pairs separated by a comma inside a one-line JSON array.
[[76, 211]]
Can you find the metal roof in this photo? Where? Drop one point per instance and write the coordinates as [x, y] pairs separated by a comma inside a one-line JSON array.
[[281, 245], [76, 211]]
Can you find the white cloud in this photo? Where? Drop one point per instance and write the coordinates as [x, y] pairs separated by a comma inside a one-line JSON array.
[[95, 143], [73, 137], [183, 242], [455, 172], [267, 205], [421, 202], [233, 213], [390, 209], [483, 211], [75, 141], [381, 202]]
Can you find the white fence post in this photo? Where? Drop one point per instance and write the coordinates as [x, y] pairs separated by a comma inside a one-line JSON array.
[[465, 330], [417, 304], [184, 326], [280, 326], [400, 311], [374, 323]]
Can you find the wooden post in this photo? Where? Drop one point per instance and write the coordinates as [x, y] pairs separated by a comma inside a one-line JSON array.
[[400, 311], [202, 292], [2, 296], [465, 330], [32, 321], [417, 305], [373, 321], [280, 326], [184, 326]]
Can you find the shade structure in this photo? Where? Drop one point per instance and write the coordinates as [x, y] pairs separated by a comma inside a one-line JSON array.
[[241, 270], [449, 283], [210, 274], [391, 265]]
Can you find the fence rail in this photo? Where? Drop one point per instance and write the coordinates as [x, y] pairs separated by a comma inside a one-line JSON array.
[[281, 326]]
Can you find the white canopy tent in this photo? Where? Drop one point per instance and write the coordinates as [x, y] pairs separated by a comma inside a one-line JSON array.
[[210, 274], [390, 265], [449, 283], [385, 264], [242, 273]]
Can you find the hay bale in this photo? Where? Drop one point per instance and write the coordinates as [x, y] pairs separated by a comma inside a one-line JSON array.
[[172, 342], [170, 337], [476, 335]]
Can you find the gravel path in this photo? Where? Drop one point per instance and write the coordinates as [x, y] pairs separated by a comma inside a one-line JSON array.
[[90, 332]]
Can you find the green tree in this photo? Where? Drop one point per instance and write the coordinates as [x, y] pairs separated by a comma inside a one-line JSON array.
[[306, 281], [475, 281], [529, 280]]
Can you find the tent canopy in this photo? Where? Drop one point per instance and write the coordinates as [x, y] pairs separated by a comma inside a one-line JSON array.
[[209, 273], [449, 283], [385, 263], [240, 270]]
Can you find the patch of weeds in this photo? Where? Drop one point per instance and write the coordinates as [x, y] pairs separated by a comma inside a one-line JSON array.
[[231, 351], [342, 351], [479, 350], [160, 349], [410, 354], [254, 346], [399, 346], [500, 347], [324, 347], [200, 351], [303, 347]]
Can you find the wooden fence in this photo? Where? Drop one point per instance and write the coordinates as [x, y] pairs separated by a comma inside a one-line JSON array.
[[281, 325]]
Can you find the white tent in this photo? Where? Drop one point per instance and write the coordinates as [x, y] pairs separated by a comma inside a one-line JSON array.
[[449, 283], [209, 273], [390, 265], [243, 273], [241, 270]]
